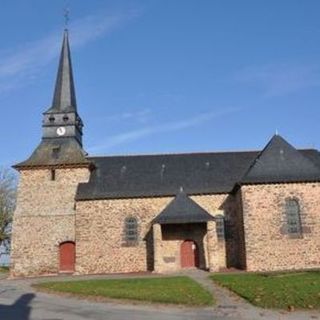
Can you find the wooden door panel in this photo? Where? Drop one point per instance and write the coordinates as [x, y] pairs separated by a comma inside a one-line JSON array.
[[67, 256], [189, 254]]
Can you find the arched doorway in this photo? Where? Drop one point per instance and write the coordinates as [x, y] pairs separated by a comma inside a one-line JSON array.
[[189, 254], [67, 255]]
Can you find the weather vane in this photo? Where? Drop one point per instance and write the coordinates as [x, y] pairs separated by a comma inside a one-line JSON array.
[[66, 17]]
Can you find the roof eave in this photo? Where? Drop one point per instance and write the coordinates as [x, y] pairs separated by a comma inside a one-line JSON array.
[[282, 181], [21, 166], [183, 221], [162, 195]]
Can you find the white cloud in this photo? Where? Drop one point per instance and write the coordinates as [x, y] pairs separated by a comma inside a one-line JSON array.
[[133, 135], [140, 116], [280, 79], [22, 64]]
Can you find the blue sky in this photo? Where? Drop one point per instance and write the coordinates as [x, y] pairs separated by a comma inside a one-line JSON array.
[[163, 76]]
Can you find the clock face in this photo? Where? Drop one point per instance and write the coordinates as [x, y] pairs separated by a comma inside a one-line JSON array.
[[61, 131]]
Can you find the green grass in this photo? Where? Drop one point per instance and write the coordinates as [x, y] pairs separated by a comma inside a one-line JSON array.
[[300, 290], [172, 290], [4, 269]]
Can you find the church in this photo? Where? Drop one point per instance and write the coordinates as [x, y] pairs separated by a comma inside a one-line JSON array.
[[84, 214]]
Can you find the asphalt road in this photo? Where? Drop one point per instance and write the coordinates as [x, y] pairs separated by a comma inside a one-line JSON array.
[[18, 303]]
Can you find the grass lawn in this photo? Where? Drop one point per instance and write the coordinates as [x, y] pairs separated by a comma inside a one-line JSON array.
[[173, 290], [4, 269], [299, 290]]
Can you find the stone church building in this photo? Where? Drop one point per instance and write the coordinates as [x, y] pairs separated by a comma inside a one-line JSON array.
[[251, 210]]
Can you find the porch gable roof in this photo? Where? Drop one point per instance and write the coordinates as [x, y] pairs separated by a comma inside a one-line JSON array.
[[183, 209]]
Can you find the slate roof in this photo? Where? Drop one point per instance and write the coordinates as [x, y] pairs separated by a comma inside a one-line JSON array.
[[56, 152], [281, 162], [64, 98], [163, 175], [182, 209], [60, 151]]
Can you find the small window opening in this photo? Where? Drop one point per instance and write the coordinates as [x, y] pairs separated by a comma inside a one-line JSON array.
[[51, 119], [131, 231], [220, 228], [53, 174], [65, 118], [55, 152], [293, 216]]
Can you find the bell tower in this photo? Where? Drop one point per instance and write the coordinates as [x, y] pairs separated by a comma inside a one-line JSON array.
[[62, 119], [44, 219], [62, 126]]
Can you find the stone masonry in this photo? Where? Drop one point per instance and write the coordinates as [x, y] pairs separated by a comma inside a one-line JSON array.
[[99, 236], [268, 246], [172, 236], [44, 218], [100, 239], [48, 215]]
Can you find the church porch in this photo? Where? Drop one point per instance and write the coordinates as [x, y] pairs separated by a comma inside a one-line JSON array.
[[188, 245], [185, 236]]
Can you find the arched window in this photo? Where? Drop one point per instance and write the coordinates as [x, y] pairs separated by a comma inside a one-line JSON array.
[[220, 227], [293, 216], [131, 230]]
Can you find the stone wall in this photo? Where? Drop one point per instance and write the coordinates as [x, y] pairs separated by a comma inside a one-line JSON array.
[[172, 238], [213, 246], [237, 252], [268, 247], [44, 217], [39, 195], [228, 205], [99, 235], [36, 239], [223, 250], [100, 246]]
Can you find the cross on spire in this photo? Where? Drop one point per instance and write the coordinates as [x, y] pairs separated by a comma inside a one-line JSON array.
[[66, 14]]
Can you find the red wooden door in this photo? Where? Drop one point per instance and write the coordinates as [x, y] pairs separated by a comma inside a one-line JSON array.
[[189, 254], [67, 256]]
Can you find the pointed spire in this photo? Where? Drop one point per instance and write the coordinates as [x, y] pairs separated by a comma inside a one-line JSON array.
[[64, 98]]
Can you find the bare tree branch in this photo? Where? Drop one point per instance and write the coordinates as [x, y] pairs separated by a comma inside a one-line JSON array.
[[8, 187]]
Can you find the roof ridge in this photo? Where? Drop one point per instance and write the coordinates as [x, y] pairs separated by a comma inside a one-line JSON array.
[[172, 154], [189, 153]]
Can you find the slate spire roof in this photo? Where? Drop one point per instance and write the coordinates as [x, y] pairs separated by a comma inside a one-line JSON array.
[[64, 98], [281, 162], [56, 152], [183, 209], [66, 150]]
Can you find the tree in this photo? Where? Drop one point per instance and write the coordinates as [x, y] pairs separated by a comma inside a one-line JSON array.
[[8, 187]]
